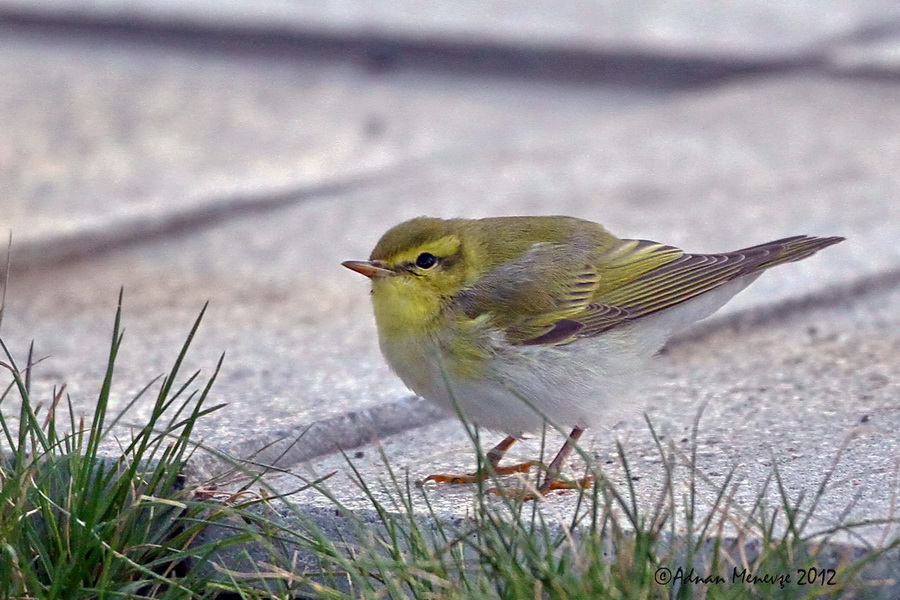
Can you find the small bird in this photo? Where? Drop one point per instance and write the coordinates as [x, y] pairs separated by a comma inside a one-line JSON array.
[[516, 322]]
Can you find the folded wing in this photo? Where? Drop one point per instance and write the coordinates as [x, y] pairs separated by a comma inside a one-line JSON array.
[[626, 289]]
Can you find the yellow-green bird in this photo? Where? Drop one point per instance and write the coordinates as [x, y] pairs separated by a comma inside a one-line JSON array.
[[520, 321]]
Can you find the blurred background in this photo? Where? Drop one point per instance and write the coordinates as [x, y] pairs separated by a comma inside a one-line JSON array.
[[236, 151]]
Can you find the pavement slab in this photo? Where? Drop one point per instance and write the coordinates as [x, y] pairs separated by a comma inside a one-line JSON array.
[[128, 138]]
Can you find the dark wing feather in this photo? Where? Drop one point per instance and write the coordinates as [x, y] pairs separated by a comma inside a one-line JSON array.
[[679, 280]]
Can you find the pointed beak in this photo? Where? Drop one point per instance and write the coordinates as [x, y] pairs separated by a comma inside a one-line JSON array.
[[370, 268]]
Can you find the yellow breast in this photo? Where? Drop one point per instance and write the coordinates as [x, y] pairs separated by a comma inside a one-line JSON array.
[[421, 341]]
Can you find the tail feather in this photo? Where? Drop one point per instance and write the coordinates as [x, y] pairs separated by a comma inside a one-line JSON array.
[[789, 249]]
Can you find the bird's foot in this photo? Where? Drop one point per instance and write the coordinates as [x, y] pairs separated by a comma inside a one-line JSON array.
[[550, 484], [481, 475]]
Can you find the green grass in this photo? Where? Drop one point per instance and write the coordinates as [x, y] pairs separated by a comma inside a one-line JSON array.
[[78, 523], [75, 524]]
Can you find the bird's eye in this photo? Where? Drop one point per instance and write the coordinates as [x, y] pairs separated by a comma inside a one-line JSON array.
[[426, 260]]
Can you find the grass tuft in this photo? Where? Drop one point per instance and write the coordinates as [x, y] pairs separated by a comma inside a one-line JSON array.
[[78, 523]]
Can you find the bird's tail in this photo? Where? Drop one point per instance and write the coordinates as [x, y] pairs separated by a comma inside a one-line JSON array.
[[786, 250]]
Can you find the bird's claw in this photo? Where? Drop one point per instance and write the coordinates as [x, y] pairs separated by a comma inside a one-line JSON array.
[[481, 475]]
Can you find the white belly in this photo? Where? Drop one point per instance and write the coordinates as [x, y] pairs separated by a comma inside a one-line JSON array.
[[583, 384]]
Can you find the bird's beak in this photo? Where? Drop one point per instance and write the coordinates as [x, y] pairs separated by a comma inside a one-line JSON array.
[[370, 268]]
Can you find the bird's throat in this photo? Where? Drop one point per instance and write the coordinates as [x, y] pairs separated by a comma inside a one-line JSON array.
[[403, 309]]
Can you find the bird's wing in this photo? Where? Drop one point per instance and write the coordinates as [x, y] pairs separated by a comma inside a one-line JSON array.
[[538, 298], [620, 296]]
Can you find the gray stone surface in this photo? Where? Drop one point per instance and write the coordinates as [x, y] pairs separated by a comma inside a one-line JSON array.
[[201, 170], [108, 146]]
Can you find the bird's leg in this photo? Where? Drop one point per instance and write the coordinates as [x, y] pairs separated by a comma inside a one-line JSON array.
[[494, 456], [552, 480]]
